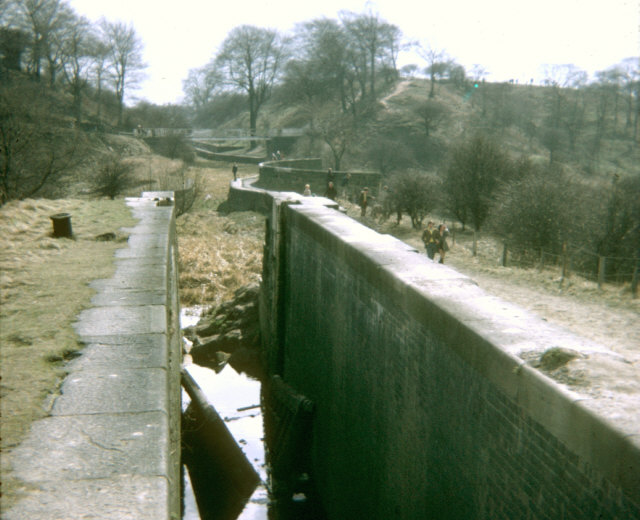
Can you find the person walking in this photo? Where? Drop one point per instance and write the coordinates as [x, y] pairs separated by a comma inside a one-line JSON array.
[[330, 176], [443, 247], [331, 192], [429, 238], [363, 201], [234, 169]]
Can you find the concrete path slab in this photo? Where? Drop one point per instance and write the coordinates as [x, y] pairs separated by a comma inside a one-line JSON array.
[[108, 320], [117, 390], [93, 446], [107, 353], [129, 497]]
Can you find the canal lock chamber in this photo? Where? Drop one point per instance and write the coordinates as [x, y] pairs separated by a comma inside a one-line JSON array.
[[245, 442]]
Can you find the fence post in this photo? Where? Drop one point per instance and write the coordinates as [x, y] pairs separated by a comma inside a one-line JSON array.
[[504, 254], [564, 262], [602, 262], [634, 280]]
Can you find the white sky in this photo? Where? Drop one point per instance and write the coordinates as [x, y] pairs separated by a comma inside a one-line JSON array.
[[509, 38]]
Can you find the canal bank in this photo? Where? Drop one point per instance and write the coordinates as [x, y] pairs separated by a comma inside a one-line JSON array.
[[111, 442]]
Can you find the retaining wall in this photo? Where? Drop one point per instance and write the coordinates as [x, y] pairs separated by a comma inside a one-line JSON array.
[[110, 447], [227, 156], [292, 175], [425, 407]]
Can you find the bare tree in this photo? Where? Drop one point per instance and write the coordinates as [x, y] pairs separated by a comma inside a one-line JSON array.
[[44, 21], [250, 61], [432, 114], [565, 107], [564, 76], [414, 194], [200, 85], [55, 50], [319, 68], [374, 45], [610, 83], [387, 155], [77, 61], [125, 58], [35, 151], [532, 211], [437, 65], [630, 68], [337, 129], [478, 72], [114, 177], [474, 172], [99, 51]]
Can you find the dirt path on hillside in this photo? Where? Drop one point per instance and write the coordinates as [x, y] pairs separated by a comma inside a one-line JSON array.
[[401, 86]]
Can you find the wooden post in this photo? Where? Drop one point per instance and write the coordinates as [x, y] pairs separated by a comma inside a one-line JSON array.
[[564, 262], [602, 261], [634, 280]]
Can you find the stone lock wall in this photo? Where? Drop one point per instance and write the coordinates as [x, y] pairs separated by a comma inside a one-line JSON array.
[[292, 175], [424, 407]]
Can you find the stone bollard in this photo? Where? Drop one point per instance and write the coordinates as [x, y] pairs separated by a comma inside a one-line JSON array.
[[61, 225]]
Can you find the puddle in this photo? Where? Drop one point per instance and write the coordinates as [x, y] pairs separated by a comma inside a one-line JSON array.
[[236, 399], [232, 479]]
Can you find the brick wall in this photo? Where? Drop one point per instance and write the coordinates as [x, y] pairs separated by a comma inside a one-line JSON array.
[[424, 407]]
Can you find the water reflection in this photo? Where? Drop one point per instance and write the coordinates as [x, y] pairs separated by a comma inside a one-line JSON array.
[[235, 399]]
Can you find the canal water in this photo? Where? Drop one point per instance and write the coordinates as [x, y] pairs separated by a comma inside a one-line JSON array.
[[236, 398]]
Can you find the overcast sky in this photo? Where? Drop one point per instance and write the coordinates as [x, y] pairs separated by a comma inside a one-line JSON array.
[[509, 38]]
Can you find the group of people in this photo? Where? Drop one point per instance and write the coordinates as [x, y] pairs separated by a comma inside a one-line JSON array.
[[330, 191], [435, 240]]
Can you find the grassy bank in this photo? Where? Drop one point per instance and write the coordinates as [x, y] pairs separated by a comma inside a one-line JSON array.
[[43, 287]]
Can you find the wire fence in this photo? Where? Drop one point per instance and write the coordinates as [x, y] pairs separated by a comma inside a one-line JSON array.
[[575, 261]]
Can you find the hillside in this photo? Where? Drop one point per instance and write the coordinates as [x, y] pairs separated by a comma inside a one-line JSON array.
[[518, 117], [546, 168]]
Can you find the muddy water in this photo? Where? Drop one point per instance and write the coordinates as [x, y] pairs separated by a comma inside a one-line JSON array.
[[236, 398]]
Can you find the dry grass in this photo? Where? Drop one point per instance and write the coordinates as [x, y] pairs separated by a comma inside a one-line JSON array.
[[218, 253]]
